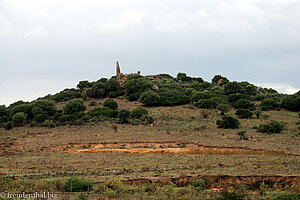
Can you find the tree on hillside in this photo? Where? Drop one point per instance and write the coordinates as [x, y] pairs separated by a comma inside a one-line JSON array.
[[232, 88], [74, 106]]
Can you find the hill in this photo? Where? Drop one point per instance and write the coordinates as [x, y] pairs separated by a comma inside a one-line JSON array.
[[157, 136]]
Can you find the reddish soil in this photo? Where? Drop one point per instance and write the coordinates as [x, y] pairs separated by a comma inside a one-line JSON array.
[[157, 148]]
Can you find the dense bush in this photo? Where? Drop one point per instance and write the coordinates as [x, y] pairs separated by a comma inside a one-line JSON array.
[[110, 103], [43, 107], [40, 117], [232, 88], [3, 119], [272, 127], [77, 185], [244, 113], [97, 91], [196, 96], [139, 112], [3, 110], [135, 85], [228, 122], [216, 78], [291, 102], [66, 95], [243, 103], [19, 119], [171, 97], [269, 104], [124, 115], [150, 98], [84, 84], [25, 108], [147, 119], [71, 117], [104, 111], [182, 77], [232, 98], [206, 103], [74, 106], [211, 103], [112, 85]]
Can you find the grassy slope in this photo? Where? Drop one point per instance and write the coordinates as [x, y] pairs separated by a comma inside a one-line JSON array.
[[180, 123]]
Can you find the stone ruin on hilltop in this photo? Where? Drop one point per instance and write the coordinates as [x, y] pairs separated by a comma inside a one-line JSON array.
[[122, 77]]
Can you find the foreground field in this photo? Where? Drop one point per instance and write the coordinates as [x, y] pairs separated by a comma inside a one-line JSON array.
[[182, 146]]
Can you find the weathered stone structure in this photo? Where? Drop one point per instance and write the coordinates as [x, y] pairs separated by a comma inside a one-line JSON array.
[[122, 77]]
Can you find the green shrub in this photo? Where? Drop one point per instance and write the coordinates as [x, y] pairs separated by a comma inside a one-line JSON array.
[[71, 117], [272, 127], [84, 84], [112, 85], [147, 119], [65, 95], [74, 106], [225, 195], [182, 77], [124, 115], [139, 112], [44, 107], [206, 103], [297, 123], [228, 122], [40, 117], [104, 111], [291, 102], [77, 185], [172, 97], [244, 113], [243, 103], [137, 84], [269, 104], [25, 108], [223, 108], [48, 123], [232, 98], [232, 88], [3, 111], [266, 116], [3, 119], [8, 125], [116, 94], [216, 78], [97, 91], [199, 184], [33, 124], [150, 98], [113, 185], [19, 119], [110, 103]]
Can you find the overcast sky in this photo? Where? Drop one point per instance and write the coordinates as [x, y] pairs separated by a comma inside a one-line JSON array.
[[48, 45]]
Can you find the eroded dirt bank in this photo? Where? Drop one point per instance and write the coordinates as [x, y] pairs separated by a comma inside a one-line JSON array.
[[156, 148]]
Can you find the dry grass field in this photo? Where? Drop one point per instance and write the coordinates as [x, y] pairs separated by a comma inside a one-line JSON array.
[[181, 146]]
